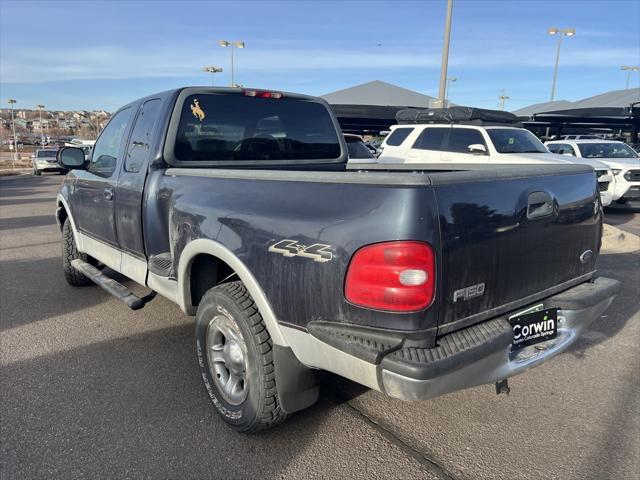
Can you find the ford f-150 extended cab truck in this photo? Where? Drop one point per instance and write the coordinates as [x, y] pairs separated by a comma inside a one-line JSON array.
[[239, 206]]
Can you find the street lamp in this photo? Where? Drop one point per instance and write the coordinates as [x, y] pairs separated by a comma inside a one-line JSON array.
[[11, 102], [40, 108], [562, 32], [501, 99], [629, 70], [445, 55], [233, 45], [212, 70], [447, 93]]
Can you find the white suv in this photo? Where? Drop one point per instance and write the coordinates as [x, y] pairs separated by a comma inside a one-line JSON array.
[[618, 156], [472, 144]]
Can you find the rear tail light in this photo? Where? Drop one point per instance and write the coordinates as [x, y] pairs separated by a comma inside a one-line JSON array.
[[262, 94], [393, 276]]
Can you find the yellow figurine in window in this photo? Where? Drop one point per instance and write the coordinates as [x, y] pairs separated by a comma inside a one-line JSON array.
[[196, 110]]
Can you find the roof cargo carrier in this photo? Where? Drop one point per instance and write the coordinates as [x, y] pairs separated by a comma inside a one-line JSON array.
[[457, 114]]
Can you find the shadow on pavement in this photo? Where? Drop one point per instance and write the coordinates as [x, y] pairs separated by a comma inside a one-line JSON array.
[[132, 407], [35, 289], [6, 202], [27, 222]]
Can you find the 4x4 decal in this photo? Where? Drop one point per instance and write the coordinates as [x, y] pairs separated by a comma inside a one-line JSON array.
[[291, 248]]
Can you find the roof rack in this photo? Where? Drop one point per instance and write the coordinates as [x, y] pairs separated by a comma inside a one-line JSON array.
[[456, 115]]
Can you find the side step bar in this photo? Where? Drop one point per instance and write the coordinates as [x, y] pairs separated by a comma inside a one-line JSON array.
[[112, 286]]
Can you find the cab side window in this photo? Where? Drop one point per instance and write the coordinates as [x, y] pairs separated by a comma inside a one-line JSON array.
[[140, 144], [107, 147]]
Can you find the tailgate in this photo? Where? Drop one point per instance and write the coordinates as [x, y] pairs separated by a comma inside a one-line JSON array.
[[515, 239]]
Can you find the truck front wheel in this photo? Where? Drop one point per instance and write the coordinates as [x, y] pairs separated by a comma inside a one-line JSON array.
[[70, 252], [235, 355]]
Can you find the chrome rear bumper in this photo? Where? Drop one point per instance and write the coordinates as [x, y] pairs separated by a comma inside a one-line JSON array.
[[578, 308]]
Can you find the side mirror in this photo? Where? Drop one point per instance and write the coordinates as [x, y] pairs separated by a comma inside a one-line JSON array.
[[32, 157], [568, 154], [72, 158], [478, 149]]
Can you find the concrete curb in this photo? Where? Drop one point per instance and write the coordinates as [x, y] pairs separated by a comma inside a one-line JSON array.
[[8, 172], [615, 240]]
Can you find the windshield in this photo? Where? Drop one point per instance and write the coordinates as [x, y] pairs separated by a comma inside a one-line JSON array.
[[47, 153], [606, 150], [236, 127], [510, 140], [357, 149]]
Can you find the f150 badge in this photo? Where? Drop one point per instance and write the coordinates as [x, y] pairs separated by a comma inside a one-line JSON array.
[[467, 293], [290, 248]]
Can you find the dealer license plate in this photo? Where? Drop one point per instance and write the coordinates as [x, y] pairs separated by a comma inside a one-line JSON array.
[[534, 325]]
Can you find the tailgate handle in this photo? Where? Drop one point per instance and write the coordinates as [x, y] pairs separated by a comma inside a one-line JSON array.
[[539, 205]]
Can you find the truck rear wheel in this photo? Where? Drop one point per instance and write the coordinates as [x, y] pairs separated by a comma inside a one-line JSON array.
[[235, 356], [70, 252]]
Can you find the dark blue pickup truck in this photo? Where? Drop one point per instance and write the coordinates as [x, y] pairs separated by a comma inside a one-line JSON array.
[[415, 280]]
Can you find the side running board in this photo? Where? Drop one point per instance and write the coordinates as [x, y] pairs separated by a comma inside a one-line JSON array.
[[112, 286]]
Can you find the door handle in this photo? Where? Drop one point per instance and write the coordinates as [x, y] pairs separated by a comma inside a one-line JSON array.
[[539, 205], [108, 193]]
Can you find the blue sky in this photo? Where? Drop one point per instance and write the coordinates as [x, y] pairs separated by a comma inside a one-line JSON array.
[[89, 54]]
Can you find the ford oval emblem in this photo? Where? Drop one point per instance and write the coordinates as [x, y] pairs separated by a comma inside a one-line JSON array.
[[586, 256]]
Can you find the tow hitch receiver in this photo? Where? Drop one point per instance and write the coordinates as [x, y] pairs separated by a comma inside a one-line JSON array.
[[112, 286], [502, 387]]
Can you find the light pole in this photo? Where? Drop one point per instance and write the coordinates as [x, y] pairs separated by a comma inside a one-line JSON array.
[[12, 102], [501, 99], [233, 45], [445, 55], [212, 70], [629, 69], [562, 32], [40, 108], [447, 93]]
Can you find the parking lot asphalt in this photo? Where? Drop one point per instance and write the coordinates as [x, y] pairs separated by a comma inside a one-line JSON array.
[[90, 389]]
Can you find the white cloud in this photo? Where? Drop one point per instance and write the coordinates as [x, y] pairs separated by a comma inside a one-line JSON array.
[[89, 63]]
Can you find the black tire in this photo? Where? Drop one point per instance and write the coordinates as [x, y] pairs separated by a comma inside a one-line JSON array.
[[231, 305], [37, 172], [70, 252]]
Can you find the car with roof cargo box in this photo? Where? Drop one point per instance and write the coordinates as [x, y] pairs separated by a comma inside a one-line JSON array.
[[239, 206], [467, 135]]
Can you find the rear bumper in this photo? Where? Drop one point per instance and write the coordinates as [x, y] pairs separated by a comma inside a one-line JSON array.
[[478, 355], [49, 167]]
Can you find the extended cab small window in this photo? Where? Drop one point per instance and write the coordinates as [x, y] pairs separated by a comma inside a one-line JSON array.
[[107, 147], [398, 136], [228, 127], [140, 144], [431, 139]]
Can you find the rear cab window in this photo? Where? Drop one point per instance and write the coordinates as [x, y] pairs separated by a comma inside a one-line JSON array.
[[398, 136], [235, 129], [46, 153]]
